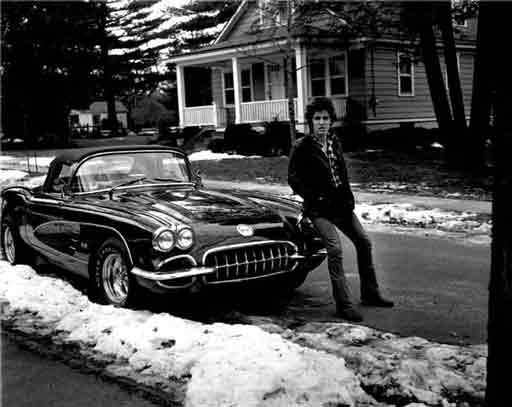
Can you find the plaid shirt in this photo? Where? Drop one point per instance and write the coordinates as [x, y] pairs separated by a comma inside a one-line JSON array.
[[333, 161]]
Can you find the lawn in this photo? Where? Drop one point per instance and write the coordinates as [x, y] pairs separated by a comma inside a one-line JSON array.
[[423, 173]]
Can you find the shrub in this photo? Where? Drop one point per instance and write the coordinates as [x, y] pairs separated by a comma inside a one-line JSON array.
[[243, 139], [216, 145], [276, 138]]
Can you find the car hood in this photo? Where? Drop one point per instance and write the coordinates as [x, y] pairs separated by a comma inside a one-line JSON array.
[[189, 206]]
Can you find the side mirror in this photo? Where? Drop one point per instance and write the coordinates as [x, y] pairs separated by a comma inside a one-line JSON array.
[[197, 178], [66, 190]]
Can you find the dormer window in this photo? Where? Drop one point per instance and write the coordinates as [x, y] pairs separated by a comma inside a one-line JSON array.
[[273, 12]]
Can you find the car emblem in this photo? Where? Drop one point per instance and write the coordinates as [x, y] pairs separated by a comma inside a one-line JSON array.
[[245, 230]]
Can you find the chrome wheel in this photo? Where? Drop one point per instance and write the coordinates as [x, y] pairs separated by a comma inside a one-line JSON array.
[[115, 278], [9, 246]]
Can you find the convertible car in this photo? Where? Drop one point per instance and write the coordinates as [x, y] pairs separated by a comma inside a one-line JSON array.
[[137, 218]]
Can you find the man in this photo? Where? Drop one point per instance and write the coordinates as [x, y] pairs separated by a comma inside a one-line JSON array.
[[317, 173]]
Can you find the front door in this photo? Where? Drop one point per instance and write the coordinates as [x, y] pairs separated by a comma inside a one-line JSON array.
[[275, 82]]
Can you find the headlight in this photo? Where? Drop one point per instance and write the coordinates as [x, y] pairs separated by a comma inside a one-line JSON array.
[[163, 240], [185, 238]]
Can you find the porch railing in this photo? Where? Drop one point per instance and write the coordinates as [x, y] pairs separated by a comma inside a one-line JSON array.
[[200, 115], [265, 110]]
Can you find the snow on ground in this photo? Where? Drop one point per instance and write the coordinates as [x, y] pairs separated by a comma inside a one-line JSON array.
[[246, 365], [208, 155]]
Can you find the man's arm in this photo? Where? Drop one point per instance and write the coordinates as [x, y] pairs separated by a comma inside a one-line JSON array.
[[296, 178]]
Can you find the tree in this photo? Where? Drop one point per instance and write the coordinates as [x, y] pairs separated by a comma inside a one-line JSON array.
[[493, 22], [319, 24], [130, 59], [48, 58]]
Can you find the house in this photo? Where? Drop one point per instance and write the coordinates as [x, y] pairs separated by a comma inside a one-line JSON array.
[[374, 81], [94, 116]]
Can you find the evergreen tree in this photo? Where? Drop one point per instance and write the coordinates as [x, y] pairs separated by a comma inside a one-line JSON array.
[[48, 59]]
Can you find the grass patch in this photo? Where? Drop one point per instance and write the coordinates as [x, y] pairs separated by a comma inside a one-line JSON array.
[[421, 173]]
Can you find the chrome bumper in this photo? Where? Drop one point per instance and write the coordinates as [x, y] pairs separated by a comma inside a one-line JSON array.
[[161, 276]]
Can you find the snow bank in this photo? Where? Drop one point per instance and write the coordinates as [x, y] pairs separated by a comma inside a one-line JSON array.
[[208, 155], [225, 365], [323, 364]]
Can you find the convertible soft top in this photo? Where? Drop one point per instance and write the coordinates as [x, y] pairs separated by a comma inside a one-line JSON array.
[[75, 155]]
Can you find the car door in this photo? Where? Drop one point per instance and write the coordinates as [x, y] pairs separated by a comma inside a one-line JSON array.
[[53, 228]]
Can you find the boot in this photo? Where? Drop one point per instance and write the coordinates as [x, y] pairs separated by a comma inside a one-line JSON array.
[[350, 314], [377, 300]]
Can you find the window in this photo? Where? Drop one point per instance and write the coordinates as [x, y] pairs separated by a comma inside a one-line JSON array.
[[328, 76], [337, 73], [246, 85], [273, 12], [317, 68], [405, 75], [229, 87]]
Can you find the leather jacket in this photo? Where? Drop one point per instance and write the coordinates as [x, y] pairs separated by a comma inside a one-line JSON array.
[[309, 176]]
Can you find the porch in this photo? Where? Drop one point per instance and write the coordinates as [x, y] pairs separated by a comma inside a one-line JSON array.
[[250, 112], [220, 88]]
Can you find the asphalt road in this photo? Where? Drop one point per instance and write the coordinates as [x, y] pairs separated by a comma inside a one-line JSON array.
[[32, 380], [439, 287]]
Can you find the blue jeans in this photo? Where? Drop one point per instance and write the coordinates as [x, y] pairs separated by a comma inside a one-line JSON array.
[[352, 228]]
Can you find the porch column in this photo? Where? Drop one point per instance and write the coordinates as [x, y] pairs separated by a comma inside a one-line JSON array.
[[236, 85], [302, 85], [180, 87]]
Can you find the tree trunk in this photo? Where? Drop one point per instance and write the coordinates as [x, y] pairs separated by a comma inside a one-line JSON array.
[[481, 97], [435, 79], [289, 74], [500, 288], [457, 136], [107, 77]]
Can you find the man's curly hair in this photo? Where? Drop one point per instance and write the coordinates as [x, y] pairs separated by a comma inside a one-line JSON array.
[[317, 105]]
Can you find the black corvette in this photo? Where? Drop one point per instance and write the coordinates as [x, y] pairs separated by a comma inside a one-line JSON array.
[[134, 217]]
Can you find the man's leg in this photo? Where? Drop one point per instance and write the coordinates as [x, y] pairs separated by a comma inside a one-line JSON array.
[[352, 228], [341, 292]]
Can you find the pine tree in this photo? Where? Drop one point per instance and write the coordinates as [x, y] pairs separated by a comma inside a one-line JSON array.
[[48, 58]]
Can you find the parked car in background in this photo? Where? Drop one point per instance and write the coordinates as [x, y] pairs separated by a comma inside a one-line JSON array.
[[136, 218]]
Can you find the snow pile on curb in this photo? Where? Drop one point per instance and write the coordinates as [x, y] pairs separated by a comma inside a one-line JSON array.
[[209, 155], [412, 216], [233, 365], [322, 364]]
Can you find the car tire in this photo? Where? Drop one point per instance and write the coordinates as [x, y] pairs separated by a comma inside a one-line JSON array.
[[13, 249], [111, 281]]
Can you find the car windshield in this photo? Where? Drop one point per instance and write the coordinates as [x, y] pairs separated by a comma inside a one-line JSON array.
[[111, 170]]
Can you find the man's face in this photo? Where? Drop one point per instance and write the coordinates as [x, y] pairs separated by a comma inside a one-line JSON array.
[[321, 123]]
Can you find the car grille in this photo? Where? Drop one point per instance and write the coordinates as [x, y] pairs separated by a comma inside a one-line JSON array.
[[250, 260]]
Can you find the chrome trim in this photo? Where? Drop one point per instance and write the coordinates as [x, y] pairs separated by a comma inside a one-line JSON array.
[[256, 243], [105, 190], [193, 261], [176, 287], [277, 260], [277, 273], [123, 240], [156, 276]]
